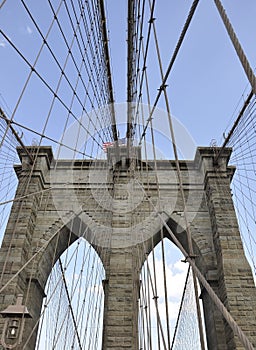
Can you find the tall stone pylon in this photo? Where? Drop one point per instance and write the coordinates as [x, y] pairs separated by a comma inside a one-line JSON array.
[[123, 234]]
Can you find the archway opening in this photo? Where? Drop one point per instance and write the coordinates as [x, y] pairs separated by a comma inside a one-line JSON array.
[[167, 305], [72, 311]]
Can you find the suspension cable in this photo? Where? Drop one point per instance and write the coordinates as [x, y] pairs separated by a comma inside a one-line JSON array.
[[232, 130], [70, 305], [110, 85], [239, 50], [8, 122], [230, 320]]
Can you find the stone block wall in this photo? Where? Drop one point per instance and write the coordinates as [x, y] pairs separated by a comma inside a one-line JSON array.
[[116, 211]]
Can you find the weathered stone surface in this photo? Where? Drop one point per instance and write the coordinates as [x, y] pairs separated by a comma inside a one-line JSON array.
[[106, 204]]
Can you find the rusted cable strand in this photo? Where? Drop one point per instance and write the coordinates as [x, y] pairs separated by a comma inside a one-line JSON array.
[[177, 48], [239, 50]]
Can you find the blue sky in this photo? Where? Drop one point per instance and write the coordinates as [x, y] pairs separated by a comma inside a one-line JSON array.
[[207, 79], [204, 87], [206, 84]]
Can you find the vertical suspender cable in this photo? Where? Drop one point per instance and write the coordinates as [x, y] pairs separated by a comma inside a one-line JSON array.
[[181, 188], [239, 50], [171, 63], [107, 58]]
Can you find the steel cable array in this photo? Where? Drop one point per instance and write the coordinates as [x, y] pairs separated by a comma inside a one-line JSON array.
[[243, 142], [75, 97]]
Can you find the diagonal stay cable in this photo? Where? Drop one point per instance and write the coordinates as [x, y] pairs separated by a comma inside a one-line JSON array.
[[14, 132], [180, 308], [44, 81], [239, 50], [231, 132], [75, 29], [181, 188], [48, 138], [228, 317], [70, 304], [176, 51]]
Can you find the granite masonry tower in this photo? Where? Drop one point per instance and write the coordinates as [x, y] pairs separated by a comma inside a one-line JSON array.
[[32, 228]]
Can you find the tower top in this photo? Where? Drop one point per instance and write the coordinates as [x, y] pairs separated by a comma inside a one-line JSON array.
[[123, 154]]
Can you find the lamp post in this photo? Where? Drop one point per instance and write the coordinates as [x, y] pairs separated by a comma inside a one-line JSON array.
[[14, 323]]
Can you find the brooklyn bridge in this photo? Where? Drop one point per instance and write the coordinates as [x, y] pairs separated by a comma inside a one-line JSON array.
[[118, 229]]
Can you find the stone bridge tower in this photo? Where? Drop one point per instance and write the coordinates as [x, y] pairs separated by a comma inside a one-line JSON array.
[[45, 231]]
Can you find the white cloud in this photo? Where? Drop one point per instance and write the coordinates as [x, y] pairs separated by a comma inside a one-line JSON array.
[[25, 30], [176, 273], [2, 43], [29, 30], [175, 278]]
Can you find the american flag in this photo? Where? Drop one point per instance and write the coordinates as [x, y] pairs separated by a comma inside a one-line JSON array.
[[106, 145], [111, 144]]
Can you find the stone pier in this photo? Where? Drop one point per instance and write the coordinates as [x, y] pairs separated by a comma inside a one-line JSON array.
[[109, 199]]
